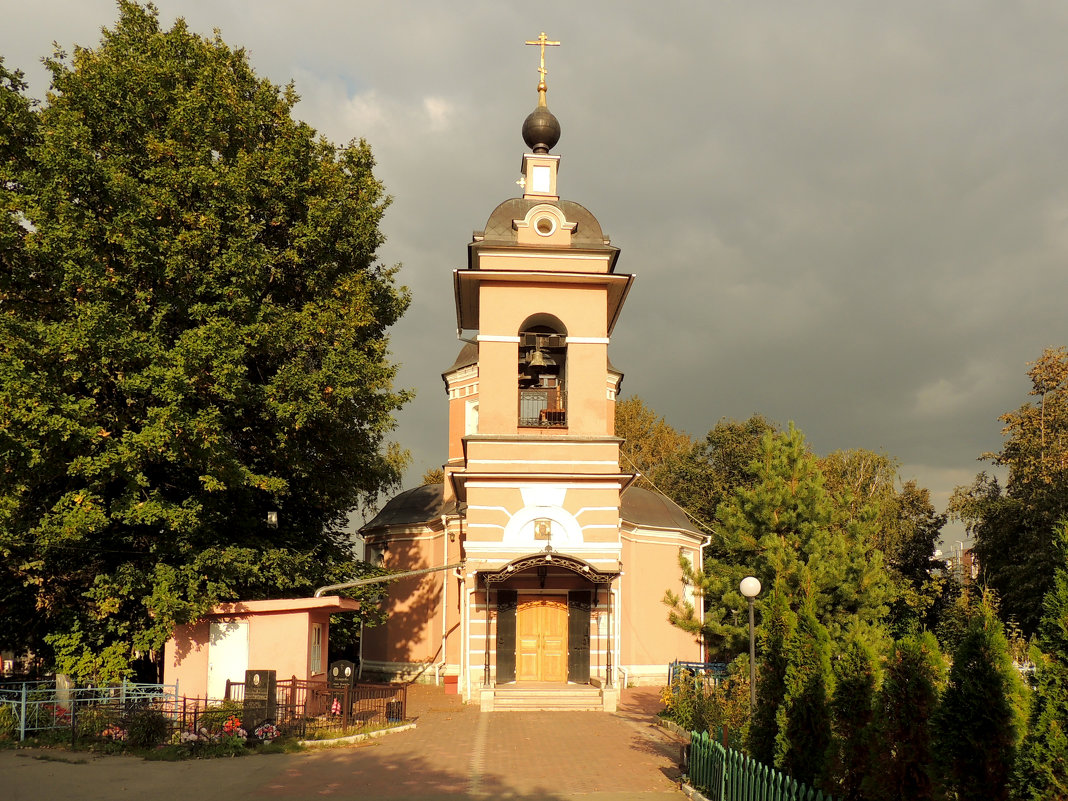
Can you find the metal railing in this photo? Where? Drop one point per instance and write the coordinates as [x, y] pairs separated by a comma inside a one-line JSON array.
[[306, 707], [303, 707], [543, 408], [701, 672], [39, 706]]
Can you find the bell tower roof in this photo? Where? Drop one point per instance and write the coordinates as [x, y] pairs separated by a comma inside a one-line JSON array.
[[501, 226], [540, 240]]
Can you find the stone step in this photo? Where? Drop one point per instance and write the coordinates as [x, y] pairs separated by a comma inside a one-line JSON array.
[[572, 692], [547, 706], [572, 699]]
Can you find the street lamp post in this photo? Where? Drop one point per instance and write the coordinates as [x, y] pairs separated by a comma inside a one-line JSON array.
[[750, 588]]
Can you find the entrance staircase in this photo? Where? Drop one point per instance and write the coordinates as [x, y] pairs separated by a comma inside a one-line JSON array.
[[548, 698]]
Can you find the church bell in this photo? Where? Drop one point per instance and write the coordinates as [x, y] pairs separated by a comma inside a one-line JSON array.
[[540, 361]]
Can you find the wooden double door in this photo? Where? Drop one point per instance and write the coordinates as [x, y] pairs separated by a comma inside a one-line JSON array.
[[541, 638], [544, 637]]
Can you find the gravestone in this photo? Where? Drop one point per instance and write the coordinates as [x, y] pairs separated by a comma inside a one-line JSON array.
[[340, 678], [342, 673], [261, 698]]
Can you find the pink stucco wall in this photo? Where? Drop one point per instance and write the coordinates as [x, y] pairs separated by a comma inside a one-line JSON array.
[[647, 638]]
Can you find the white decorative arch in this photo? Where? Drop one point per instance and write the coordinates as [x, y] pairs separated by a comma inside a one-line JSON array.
[[543, 503]]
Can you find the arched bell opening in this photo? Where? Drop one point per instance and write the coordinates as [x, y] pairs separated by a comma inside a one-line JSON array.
[[542, 372]]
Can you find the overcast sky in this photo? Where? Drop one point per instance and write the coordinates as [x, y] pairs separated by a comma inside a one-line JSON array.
[[852, 215]]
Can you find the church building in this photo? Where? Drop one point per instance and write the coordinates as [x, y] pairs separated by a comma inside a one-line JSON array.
[[552, 564]]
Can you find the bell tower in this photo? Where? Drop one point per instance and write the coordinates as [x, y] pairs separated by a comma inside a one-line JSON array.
[[538, 302], [524, 543], [533, 458]]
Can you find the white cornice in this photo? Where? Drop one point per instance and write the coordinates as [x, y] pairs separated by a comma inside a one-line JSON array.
[[495, 338]]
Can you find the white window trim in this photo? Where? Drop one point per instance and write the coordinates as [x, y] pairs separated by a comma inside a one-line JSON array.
[[316, 657]]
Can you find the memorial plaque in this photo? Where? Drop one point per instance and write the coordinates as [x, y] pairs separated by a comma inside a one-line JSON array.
[[261, 698]]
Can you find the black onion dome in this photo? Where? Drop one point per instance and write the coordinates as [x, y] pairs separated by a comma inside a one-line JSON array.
[[541, 130]]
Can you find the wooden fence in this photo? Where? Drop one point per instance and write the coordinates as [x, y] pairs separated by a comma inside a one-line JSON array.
[[723, 774]]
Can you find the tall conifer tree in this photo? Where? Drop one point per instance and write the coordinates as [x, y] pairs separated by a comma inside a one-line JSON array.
[[905, 706], [1042, 767], [784, 528], [803, 719], [981, 719], [776, 630], [852, 754]]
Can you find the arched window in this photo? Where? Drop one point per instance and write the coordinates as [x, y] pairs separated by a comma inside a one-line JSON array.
[[542, 372]]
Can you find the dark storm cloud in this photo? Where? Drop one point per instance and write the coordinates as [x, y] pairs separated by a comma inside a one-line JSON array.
[[850, 215]]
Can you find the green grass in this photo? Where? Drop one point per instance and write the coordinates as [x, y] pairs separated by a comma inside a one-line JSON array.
[[351, 731]]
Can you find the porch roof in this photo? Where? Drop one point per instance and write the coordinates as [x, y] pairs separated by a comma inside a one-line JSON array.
[[550, 558]]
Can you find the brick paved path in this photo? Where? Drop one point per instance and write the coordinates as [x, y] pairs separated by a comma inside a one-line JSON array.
[[458, 752], [454, 752]]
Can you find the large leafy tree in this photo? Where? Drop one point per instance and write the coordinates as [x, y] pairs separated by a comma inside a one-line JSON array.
[[650, 445], [905, 524], [713, 468], [898, 520], [1014, 524], [192, 333]]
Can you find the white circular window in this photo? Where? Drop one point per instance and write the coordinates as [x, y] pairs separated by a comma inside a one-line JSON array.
[[545, 226]]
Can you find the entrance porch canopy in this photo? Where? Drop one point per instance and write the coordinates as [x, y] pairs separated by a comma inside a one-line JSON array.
[[549, 558]]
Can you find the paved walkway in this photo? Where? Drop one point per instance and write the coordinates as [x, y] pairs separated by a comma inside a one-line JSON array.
[[455, 752]]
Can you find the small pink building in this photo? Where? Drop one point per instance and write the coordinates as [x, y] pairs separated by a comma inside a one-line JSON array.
[[290, 636]]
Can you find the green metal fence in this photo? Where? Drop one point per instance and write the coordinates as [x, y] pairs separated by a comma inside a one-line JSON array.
[[723, 774]]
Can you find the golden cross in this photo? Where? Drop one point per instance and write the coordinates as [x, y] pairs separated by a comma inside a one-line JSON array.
[[543, 42]]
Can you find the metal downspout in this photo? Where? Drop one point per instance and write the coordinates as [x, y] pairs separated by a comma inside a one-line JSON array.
[[609, 681], [444, 603], [486, 669]]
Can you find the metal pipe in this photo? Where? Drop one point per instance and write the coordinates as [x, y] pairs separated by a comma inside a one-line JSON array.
[[359, 655], [752, 660], [444, 602], [379, 579], [467, 636]]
